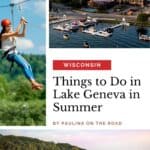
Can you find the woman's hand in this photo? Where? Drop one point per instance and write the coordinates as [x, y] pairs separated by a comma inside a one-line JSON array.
[[23, 20]]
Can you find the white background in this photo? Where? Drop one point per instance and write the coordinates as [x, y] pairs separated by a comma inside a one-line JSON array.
[[134, 114]]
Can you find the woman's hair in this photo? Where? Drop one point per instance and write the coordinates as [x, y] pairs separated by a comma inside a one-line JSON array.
[[2, 31]]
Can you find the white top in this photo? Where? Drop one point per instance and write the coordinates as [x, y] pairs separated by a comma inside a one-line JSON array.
[[8, 43]]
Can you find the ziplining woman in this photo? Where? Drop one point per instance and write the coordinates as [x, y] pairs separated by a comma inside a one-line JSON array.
[[8, 45]]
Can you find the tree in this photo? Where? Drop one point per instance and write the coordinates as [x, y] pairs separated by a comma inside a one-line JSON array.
[[73, 3], [142, 19], [50, 5], [20, 105]]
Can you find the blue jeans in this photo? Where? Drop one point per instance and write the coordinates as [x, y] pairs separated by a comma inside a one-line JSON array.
[[26, 67]]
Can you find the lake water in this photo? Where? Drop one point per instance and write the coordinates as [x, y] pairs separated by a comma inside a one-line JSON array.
[[121, 38]]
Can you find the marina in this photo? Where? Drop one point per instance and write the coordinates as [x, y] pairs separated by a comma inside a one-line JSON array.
[[100, 25], [91, 33], [59, 21], [75, 25]]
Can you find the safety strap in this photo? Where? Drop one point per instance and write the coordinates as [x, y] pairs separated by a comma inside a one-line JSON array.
[[6, 52], [5, 55]]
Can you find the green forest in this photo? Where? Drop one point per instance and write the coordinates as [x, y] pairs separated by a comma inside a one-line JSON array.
[[25, 143], [143, 19], [19, 104]]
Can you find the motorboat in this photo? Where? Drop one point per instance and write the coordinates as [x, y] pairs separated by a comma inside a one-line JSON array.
[[59, 27], [103, 33], [144, 37], [86, 44], [91, 31], [65, 27], [125, 24], [66, 36], [83, 20], [89, 22]]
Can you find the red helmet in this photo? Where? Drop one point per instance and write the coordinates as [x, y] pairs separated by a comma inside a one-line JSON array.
[[5, 22]]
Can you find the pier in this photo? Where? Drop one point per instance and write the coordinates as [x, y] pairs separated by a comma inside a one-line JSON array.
[[59, 21], [117, 26], [123, 23]]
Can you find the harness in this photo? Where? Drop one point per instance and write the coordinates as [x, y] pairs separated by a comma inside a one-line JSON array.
[[5, 54]]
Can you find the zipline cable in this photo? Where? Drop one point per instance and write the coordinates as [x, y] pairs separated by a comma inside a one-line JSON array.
[[12, 5]]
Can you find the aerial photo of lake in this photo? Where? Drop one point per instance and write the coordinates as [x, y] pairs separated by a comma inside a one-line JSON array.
[[121, 37]]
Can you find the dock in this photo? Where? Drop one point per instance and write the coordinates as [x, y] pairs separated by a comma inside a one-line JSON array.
[[59, 21], [117, 26]]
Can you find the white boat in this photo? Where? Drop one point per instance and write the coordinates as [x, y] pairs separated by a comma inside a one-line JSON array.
[[103, 33], [65, 27], [89, 22], [126, 24], [91, 19], [66, 37], [144, 37], [90, 31]]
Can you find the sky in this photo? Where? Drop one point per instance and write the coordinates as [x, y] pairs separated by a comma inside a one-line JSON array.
[[91, 140], [34, 12]]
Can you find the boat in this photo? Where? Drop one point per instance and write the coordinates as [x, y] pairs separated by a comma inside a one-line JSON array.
[[86, 44], [91, 31], [74, 26], [65, 27], [66, 36], [89, 22], [144, 37], [83, 20], [109, 30], [126, 24], [103, 33]]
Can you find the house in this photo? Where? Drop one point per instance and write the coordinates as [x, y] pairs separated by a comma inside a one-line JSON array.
[[133, 2], [99, 3]]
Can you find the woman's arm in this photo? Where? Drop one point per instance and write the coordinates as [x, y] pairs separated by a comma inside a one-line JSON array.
[[19, 26], [23, 31], [7, 35]]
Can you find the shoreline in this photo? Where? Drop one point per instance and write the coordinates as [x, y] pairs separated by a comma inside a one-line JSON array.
[[100, 17]]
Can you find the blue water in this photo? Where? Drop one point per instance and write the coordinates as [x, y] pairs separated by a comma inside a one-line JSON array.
[[121, 38]]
